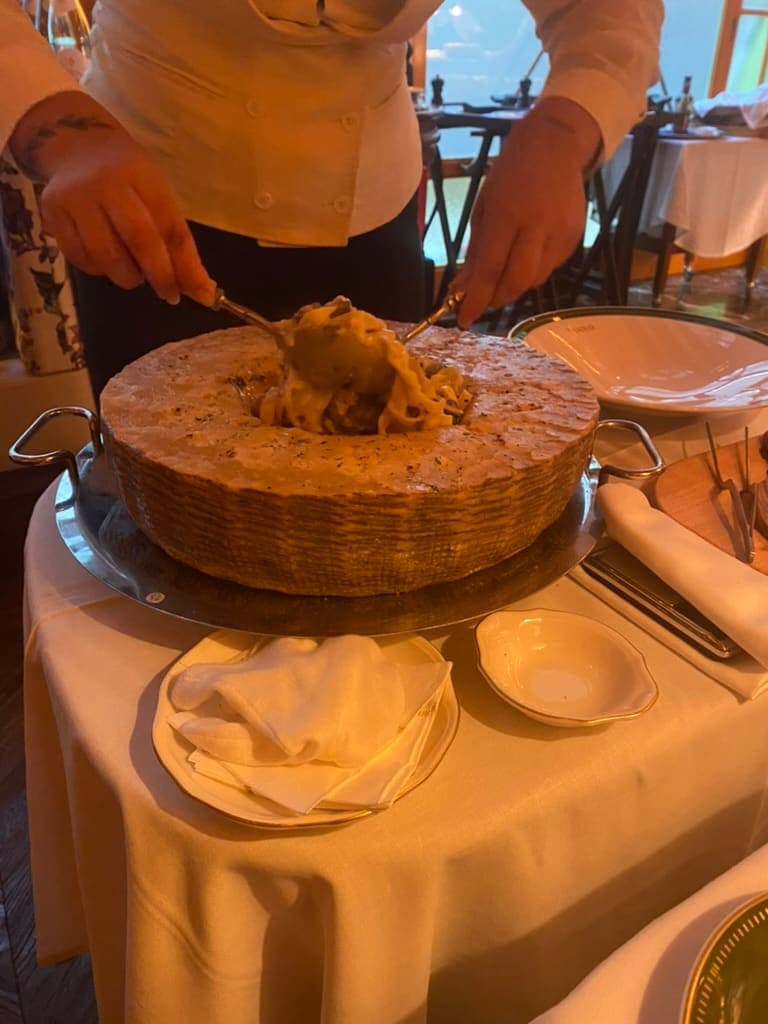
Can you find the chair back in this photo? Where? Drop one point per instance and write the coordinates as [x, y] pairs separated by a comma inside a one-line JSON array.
[[604, 270]]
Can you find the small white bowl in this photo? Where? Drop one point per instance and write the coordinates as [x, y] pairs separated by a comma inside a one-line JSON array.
[[562, 668]]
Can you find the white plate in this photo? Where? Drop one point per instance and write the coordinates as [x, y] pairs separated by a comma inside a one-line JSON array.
[[662, 362], [729, 981], [562, 668], [229, 645]]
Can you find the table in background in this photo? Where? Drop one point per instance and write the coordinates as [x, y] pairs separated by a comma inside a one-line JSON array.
[[707, 197], [485, 894]]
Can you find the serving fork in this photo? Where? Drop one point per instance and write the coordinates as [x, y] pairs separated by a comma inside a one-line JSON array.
[[742, 499], [450, 304]]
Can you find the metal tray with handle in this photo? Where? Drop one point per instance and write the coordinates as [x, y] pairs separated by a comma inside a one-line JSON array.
[[99, 533]]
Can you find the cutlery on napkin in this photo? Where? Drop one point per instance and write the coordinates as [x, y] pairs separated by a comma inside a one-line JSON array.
[[741, 674], [727, 591], [301, 722]]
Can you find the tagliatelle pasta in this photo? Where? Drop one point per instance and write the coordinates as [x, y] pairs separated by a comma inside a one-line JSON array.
[[373, 384]]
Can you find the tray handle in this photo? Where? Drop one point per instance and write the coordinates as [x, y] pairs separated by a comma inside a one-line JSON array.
[[60, 454], [632, 474]]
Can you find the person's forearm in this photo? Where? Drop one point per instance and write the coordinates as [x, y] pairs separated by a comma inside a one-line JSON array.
[[53, 125], [569, 123], [29, 72], [530, 211], [105, 200], [603, 56]]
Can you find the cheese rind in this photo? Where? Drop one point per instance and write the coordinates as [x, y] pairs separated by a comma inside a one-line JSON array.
[[282, 509]]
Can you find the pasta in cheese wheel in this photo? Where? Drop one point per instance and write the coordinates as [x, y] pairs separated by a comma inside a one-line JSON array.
[[364, 381]]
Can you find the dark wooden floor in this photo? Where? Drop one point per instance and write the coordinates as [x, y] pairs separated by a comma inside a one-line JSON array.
[[63, 994]]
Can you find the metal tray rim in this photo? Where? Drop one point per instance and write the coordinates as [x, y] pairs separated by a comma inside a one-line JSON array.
[[186, 593]]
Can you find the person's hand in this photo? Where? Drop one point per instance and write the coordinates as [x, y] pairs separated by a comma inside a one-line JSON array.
[[106, 202], [531, 209]]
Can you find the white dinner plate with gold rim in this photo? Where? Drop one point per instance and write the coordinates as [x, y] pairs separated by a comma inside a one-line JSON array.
[[224, 646], [729, 982], [563, 668], [657, 360]]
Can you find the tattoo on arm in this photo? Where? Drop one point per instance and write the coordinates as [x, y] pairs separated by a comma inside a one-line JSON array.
[[28, 156]]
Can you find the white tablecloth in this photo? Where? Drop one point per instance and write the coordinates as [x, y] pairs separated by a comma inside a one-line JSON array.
[[486, 894], [715, 192], [646, 980]]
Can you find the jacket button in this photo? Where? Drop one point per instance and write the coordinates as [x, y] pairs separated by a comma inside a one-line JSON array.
[[342, 204], [350, 122], [253, 107], [263, 200]]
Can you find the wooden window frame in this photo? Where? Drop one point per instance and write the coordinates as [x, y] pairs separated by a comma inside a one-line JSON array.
[[726, 40]]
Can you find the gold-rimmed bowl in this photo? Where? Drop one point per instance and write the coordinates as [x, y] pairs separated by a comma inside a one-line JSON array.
[[562, 668]]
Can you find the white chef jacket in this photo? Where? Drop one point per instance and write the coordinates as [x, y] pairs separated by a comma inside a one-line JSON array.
[[290, 120]]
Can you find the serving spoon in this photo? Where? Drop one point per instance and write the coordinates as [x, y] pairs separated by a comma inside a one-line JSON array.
[[248, 316], [343, 360], [340, 360]]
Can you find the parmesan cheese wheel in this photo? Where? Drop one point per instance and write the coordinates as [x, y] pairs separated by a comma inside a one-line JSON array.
[[283, 509]]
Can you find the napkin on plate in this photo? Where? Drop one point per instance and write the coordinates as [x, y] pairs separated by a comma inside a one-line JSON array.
[[725, 590], [303, 723]]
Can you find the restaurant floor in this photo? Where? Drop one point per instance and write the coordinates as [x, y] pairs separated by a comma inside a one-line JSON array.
[[63, 994]]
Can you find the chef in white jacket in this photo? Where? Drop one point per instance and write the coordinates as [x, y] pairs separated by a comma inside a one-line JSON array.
[[272, 146]]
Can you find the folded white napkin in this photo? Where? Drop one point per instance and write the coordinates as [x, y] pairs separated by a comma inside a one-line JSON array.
[[314, 785], [300, 722], [753, 104], [725, 590]]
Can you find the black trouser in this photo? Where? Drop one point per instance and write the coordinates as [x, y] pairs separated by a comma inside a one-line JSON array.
[[381, 271]]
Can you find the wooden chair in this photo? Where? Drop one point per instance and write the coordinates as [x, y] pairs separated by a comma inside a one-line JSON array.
[[601, 273], [474, 170]]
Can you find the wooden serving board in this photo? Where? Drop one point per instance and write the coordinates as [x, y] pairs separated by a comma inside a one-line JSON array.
[[687, 492]]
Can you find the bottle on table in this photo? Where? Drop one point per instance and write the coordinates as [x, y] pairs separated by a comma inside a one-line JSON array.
[[69, 35], [684, 107]]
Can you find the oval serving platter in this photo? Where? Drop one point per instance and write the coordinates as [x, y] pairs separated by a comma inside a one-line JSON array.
[[657, 360]]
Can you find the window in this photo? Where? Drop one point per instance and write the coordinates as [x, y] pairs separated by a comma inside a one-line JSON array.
[[481, 49], [743, 46], [688, 43]]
